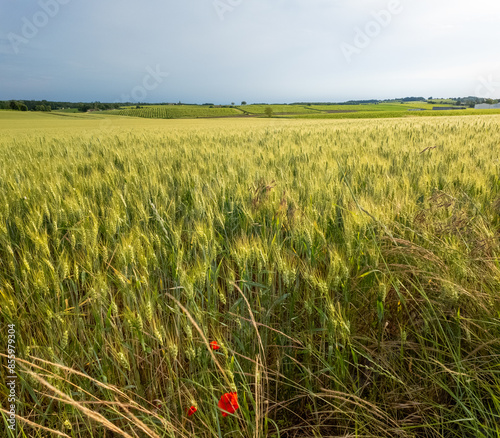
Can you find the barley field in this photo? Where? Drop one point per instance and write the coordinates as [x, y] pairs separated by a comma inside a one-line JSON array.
[[342, 277]]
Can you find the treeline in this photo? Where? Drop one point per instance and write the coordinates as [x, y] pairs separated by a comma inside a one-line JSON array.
[[34, 105], [44, 105], [84, 107], [359, 102], [408, 99], [472, 101], [14, 105]]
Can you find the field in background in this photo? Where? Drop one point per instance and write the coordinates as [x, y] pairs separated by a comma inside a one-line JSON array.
[[375, 107], [197, 111], [382, 114], [348, 269], [176, 111], [277, 109], [365, 111]]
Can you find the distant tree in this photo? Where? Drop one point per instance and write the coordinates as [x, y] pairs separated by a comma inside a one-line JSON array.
[[18, 106], [243, 103], [232, 103], [268, 111], [84, 107]]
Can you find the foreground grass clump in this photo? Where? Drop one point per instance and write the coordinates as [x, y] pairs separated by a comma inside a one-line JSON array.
[[341, 277]]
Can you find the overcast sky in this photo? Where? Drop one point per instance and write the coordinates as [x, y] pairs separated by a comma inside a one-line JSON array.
[[225, 51]]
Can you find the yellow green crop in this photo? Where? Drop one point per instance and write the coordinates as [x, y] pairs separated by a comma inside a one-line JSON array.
[[348, 271]]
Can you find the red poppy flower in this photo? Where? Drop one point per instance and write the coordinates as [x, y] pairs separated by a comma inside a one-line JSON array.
[[228, 403], [192, 410], [214, 345]]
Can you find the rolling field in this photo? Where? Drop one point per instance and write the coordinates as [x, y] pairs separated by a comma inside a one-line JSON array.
[[277, 109], [374, 107], [176, 112], [384, 114], [347, 270], [197, 111], [361, 111]]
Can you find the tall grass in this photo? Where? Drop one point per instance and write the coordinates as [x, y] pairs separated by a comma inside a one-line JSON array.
[[349, 273]]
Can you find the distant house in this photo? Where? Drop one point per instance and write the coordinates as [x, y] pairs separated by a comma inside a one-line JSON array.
[[486, 106], [446, 108]]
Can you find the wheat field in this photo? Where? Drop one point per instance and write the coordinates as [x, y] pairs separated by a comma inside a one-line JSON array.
[[349, 271]]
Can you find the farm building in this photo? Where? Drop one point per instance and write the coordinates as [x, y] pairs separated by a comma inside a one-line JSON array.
[[486, 106]]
